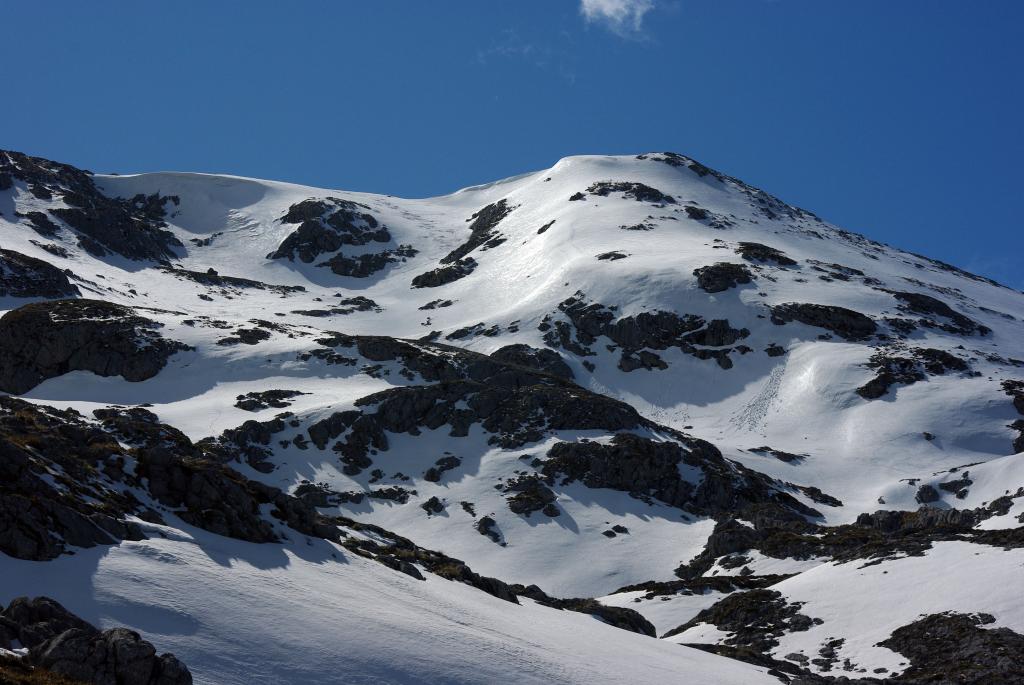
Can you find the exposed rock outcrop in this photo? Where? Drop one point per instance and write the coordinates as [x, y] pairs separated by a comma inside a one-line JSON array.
[[530, 494], [117, 655], [62, 644], [34, 621], [483, 235], [631, 190], [440, 467], [755, 619], [87, 504], [325, 225], [515, 404], [213, 279], [649, 469], [721, 276], [907, 367], [928, 306], [547, 361], [41, 516], [365, 265], [870, 539], [133, 228], [766, 204], [255, 401], [329, 224], [1015, 389], [48, 339], [24, 276], [657, 330], [443, 275], [624, 619], [955, 648], [756, 252], [845, 323], [482, 231]]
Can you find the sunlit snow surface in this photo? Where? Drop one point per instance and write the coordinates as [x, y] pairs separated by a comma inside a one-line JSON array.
[[308, 612]]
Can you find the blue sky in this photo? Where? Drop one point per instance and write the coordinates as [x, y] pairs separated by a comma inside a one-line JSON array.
[[900, 119]]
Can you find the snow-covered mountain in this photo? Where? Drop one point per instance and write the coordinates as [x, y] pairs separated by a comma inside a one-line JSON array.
[[626, 419]]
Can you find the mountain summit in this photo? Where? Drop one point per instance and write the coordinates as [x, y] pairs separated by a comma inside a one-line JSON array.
[[626, 419]]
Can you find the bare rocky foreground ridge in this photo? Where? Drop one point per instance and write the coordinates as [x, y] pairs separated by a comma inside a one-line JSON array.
[[626, 419]]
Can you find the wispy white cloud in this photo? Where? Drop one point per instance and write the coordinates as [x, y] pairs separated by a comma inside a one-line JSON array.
[[625, 17], [509, 45]]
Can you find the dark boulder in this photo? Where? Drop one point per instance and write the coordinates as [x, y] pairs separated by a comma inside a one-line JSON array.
[[721, 276], [756, 252], [629, 189], [788, 457], [926, 305], [62, 644], [446, 463], [926, 494], [643, 359], [436, 304], [530, 494], [47, 339], [24, 276], [445, 274], [245, 336], [845, 323], [34, 621], [433, 506], [113, 657], [521, 354], [487, 527], [256, 401], [330, 224]]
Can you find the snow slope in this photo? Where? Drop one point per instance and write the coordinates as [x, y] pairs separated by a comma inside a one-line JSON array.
[[236, 611], [239, 613]]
